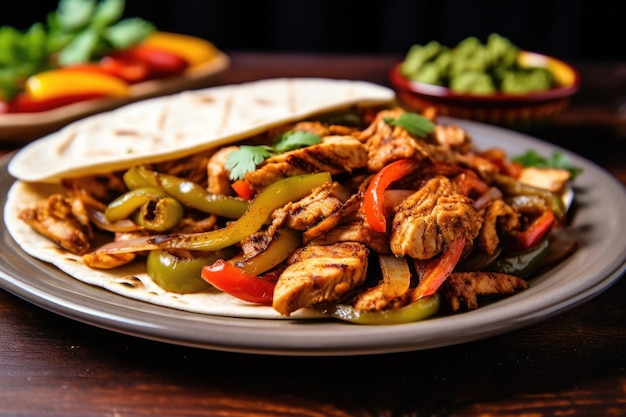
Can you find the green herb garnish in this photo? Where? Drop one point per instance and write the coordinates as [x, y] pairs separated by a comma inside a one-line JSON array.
[[414, 123], [247, 158], [556, 160]]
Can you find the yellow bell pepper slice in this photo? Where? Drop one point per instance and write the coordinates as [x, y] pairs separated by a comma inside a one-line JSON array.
[[194, 50], [63, 82]]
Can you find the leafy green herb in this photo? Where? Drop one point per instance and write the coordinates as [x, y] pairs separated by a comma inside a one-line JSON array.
[[414, 123], [94, 28], [556, 160], [291, 140], [247, 158]]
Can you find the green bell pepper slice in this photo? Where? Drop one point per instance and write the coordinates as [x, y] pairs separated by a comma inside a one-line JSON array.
[[524, 263], [149, 207], [283, 243], [510, 185], [415, 311], [177, 273], [266, 201], [186, 192]]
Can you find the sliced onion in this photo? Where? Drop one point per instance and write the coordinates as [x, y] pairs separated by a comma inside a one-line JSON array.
[[395, 197], [137, 244], [396, 276], [98, 218], [493, 193]]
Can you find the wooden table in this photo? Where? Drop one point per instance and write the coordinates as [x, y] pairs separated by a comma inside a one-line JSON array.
[[570, 365]]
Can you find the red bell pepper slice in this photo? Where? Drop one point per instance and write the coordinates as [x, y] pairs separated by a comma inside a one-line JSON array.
[[160, 63], [374, 198], [468, 181], [535, 232], [233, 280], [243, 189], [23, 103], [130, 71], [437, 270]]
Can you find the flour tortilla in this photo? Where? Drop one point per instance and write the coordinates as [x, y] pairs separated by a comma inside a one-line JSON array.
[[174, 126], [165, 128], [130, 280]]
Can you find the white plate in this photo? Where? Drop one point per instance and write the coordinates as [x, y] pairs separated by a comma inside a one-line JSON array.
[[22, 127], [598, 223]]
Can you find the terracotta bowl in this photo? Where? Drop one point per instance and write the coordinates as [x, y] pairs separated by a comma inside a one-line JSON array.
[[519, 110]]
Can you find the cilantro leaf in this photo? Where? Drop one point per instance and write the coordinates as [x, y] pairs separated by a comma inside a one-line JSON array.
[[245, 159], [414, 123], [556, 160], [291, 140]]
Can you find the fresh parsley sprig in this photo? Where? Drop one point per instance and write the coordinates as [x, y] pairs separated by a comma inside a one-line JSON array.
[[247, 157], [414, 123]]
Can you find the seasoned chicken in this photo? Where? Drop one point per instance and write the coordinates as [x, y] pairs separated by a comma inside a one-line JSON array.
[[552, 179], [101, 188], [256, 243], [192, 168], [431, 218], [482, 166], [498, 216], [63, 220], [453, 137], [336, 154], [218, 175], [100, 260], [315, 214], [352, 227], [386, 143], [317, 274], [462, 289]]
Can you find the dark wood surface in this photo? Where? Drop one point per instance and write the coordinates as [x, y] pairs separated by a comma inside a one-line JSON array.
[[570, 365]]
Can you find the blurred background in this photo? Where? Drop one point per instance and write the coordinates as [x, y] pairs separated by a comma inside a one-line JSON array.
[[569, 29]]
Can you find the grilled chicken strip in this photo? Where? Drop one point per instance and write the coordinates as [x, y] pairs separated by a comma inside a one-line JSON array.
[[498, 216], [386, 143], [431, 218], [552, 179], [352, 228], [191, 168], [101, 260], [453, 137], [336, 154], [218, 175], [101, 188], [317, 274], [315, 214], [462, 289], [63, 220]]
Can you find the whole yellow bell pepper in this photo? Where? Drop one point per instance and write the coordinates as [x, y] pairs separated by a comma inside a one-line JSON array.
[[67, 82], [194, 50]]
